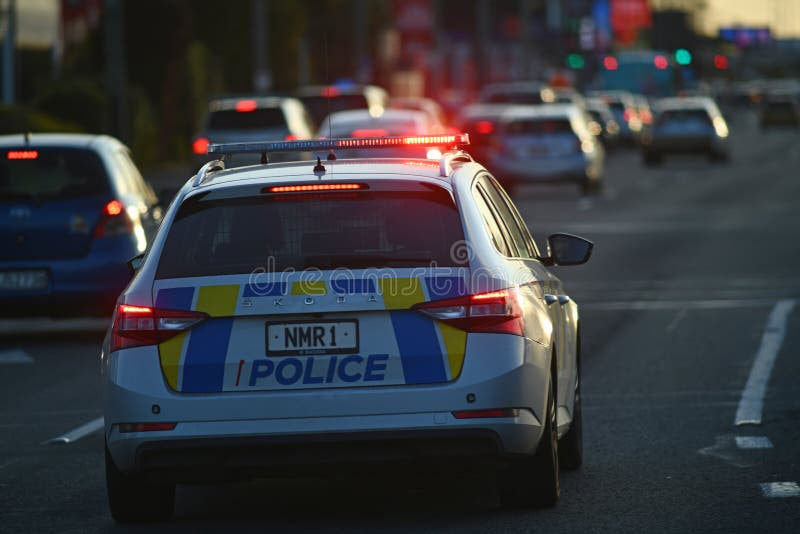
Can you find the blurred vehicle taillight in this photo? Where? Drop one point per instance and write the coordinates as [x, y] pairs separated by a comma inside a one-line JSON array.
[[113, 221]]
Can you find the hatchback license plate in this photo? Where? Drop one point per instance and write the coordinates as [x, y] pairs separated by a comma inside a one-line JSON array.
[[312, 337], [23, 280]]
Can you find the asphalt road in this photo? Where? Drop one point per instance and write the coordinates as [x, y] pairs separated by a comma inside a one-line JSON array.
[[695, 272]]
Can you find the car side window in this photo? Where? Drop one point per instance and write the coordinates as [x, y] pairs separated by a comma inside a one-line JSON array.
[[501, 206], [516, 220], [491, 223]]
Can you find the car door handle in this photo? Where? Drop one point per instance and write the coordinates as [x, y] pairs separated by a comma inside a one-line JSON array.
[[563, 299], [549, 299]]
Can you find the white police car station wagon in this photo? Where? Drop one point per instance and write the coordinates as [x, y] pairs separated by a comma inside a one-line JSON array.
[[290, 317]]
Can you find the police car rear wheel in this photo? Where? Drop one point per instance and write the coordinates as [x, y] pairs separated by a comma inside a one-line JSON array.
[[535, 481], [133, 500]]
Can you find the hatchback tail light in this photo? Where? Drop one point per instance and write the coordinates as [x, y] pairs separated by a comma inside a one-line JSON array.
[[136, 326], [113, 221], [495, 311]]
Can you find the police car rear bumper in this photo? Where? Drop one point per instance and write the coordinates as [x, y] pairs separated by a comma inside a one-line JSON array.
[[245, 458]]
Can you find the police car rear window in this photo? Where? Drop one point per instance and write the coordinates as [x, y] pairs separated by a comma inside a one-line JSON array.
[[258, 119], [37, 174], [355, 230]]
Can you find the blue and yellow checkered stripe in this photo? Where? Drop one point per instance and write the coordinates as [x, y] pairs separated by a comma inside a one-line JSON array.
[[430, 352]]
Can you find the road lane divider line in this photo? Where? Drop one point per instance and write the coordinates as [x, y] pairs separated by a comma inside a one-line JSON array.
[[76, 434], [780, 489], [751, 404], [677, 319], [753, 442], [14, 356]]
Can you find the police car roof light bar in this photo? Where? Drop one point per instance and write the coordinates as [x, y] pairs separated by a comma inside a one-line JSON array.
[[445, 140]]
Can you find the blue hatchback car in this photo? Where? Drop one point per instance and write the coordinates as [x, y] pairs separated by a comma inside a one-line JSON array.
[[73, 210]]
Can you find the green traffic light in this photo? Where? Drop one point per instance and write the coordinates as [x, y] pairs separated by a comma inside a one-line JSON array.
[[575, 61], [683, 56]]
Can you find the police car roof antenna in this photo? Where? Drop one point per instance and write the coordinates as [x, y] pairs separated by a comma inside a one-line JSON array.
[[331, 155]]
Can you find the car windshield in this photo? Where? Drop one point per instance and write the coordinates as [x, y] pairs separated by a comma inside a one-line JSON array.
[[325, 231], [28, 173], [258, 119]]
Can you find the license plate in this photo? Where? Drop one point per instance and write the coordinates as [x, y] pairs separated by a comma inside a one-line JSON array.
[[23, 280], [312, 337]]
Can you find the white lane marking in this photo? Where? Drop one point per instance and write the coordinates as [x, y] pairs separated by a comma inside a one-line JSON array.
[[677, 319], [80, 432], [780, 489], [723, 449], [751, 405], [753, 442], [710, 304], [14, 356]]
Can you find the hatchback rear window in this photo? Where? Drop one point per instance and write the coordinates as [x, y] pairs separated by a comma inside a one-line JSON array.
[[320, 106], [355, 230], [539, 127], [31, 173], [684, 115], [514, 98], [258, 119]]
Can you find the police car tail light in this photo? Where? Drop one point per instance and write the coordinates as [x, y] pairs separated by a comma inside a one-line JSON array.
[[495, 311], [136, 326], [482, 414], [113, 221]]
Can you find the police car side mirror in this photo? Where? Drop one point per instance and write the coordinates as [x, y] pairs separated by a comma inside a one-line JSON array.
[[567, 249], [134, 263]]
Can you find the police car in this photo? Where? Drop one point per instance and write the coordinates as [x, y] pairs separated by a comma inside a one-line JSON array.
[[291, 317]]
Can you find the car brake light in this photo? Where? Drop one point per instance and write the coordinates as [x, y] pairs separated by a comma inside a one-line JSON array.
[[291, 137], [113, 221], [200, 145], [136, 326], [126, 428], [484, 127], [645, 116], [481, 414], [22, 154], [330, 91], [246, 106], [314, 187], [629, 115], [495, 311]]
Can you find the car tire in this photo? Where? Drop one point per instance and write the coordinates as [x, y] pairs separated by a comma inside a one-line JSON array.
[[132, 500], [534, 481], [570, 447], [651, 159]]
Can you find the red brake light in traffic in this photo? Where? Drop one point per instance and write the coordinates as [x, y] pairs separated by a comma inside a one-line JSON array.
[[660, 62], [314, 187], [291, 137], [330, 91], [720, 62], [22, 154], [610, 63], [113, 221], [200, 145], [484, 127], [245, 106], [495, 311], [136, 326], [114, 207]]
